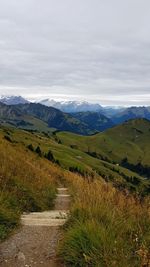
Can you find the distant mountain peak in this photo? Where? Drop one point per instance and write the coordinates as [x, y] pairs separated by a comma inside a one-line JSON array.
[[13, 100]]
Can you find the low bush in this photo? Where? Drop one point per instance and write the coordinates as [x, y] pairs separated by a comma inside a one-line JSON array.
[[30, 147], [9, 219]]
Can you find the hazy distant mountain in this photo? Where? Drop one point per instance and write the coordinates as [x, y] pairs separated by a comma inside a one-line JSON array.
[[94, 120], [132, 113], [82, 106], [110, 111], [72, 106], [13, 100]]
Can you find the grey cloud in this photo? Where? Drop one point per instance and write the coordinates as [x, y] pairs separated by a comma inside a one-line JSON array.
[[92, 49]]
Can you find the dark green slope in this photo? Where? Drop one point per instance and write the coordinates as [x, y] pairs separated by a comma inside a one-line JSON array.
[[95, 120], [55, 118]]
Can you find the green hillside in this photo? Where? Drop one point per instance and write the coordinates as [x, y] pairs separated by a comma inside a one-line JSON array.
[[75, 157], [129, 140]]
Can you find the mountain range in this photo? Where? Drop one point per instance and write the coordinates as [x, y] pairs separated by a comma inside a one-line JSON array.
[[72, 106], [35, 116], [79, 117], [65, 106], [82, 106]]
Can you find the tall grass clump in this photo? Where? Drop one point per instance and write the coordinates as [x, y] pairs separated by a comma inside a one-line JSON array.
[[27, 183], [106, 228]]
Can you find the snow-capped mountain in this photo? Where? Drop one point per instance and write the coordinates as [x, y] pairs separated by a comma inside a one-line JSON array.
[[13, 100], [72, 106], [65, 106]]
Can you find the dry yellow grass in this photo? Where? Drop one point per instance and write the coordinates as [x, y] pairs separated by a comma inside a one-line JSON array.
[[107, 228], [27, 183]]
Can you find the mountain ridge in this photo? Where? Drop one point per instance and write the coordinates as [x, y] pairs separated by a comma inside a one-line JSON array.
[[96, 120], [132, 113], [85, 122], [54, 118]]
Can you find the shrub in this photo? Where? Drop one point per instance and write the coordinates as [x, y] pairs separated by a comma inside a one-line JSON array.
[[30, 147], [49, 156], [38, 151], [6, 137], [8, 220]]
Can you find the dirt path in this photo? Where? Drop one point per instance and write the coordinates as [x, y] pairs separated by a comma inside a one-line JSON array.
[[35, 243]]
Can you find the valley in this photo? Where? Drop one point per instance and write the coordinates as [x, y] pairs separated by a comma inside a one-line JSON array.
[[107, 175], [90, 156]]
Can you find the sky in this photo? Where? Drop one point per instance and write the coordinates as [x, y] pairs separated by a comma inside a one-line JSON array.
[[94, 50]]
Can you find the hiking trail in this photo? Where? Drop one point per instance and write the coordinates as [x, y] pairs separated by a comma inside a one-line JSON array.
[[35, 243]]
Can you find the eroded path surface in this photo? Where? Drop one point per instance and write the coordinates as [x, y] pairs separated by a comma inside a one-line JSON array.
[[35, 243]]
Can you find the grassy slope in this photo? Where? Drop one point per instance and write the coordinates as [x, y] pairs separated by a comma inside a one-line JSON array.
[[69, 157], [27, 183], [29, 123], [106, 228], [129, 140]]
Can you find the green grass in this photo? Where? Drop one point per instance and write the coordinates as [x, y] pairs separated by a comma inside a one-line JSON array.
[[129, 140]]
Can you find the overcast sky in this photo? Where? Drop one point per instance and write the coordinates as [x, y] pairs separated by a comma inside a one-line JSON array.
[[96, 50]]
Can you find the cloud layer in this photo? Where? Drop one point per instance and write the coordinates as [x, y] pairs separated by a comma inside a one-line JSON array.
[[91, 49]]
